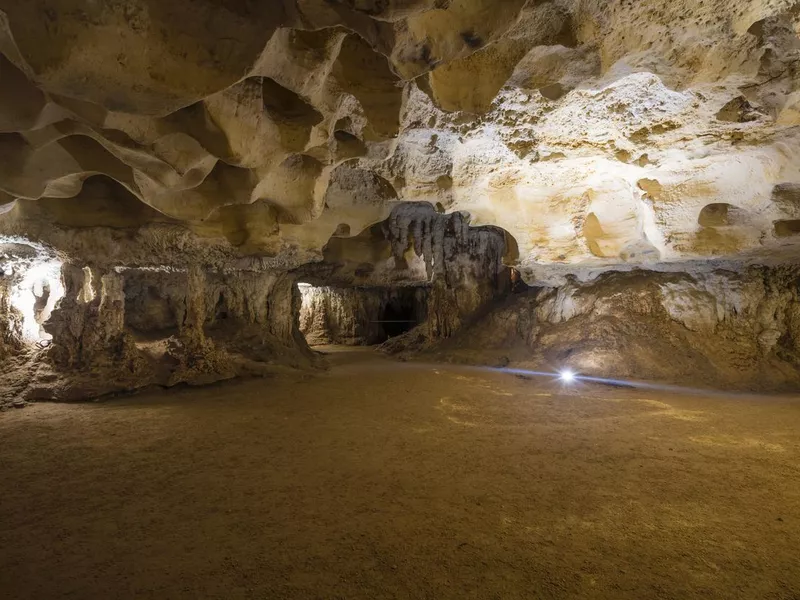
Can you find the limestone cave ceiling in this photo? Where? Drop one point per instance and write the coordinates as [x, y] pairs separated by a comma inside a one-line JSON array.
[[596, 133]]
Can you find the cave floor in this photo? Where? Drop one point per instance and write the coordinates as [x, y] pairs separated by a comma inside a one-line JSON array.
[[383, 479]]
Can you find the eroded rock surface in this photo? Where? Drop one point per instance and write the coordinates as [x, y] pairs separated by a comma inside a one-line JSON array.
[[595, 133], [717, 329], [360, 316], [122, 330], [189, 160]]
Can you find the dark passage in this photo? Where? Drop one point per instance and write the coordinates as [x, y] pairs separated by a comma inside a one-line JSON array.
[[398, 317], [359, 316]]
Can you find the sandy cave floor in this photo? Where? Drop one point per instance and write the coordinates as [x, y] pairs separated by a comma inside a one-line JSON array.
[[381, 479]]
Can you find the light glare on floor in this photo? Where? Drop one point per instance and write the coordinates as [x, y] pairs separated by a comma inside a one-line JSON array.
[[567, 376]]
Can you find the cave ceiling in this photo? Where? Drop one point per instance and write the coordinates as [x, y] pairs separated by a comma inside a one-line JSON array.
[[599, 134]]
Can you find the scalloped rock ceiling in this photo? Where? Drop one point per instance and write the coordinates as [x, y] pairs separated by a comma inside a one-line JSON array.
[[597, 134]]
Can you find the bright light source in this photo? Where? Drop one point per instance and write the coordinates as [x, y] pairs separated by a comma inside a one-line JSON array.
[[35, 286], [86, 294], [35, 296], [567, 376]]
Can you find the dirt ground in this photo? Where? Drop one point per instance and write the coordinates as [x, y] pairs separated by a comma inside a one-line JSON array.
[[383, 479]]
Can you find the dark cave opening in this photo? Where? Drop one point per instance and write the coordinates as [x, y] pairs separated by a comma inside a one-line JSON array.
[[399, 315], [221, 308], [359, 316], [150, 313]]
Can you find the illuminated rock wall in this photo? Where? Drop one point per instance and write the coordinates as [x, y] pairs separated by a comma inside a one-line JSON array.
[[124, 329], [596, 133], [718, 329], [360, 316], [238, 145]]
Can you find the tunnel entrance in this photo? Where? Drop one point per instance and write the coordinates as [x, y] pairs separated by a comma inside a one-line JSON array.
[[398, 316], [30, 288], [359, 316]]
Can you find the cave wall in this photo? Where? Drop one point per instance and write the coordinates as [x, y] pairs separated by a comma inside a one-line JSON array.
[[461, 265], [14, 356], [10, 332], [157, 300], [353, 316], [125, 329], [267, 137], [722, 329], [595, 132]]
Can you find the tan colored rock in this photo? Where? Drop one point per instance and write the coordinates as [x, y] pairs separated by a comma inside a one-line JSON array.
[[241, 141], [233, 122], [720, 329]]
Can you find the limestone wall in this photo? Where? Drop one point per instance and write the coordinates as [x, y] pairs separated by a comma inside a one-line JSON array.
[[717, 329], [359, 316]]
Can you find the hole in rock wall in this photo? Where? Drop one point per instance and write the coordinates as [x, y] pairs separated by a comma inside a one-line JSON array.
[[787, 228], [152, 302], [418, 266], [398, 316], [343, 230], [32, 287], [221, 308], [593, 232], [721, 214], [359, 316]]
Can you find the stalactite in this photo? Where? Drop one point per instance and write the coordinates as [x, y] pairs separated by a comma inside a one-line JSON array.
[[464, 264]]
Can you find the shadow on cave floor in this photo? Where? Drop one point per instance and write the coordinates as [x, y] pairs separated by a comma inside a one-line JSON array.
[[341, 356], [380, 478]]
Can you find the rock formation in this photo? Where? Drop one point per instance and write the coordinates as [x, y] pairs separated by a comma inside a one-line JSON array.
[[360, 316], [719, 329], [183, 164]]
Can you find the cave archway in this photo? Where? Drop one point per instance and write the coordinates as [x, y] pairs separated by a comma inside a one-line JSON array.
[[358, 315], [378, 283], [787, 227], [399, 316], [30, 288]]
